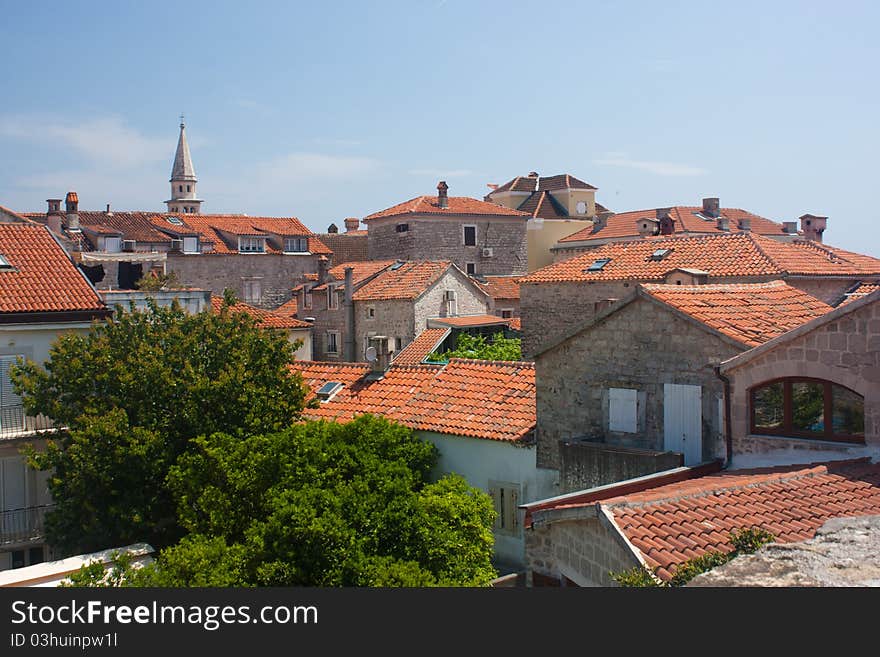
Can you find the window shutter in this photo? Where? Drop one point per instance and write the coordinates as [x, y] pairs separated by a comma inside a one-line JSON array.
[[622, 410], [511, 523], [495, 494], [7, 394]]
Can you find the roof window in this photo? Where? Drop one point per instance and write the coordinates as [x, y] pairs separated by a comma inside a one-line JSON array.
[[175, 220], [598, 264], [659, 254], [4, 263], [396, 266], [326, 391]]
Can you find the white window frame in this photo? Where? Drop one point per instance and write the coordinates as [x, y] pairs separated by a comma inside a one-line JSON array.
[[335, 336], [248, 286], [249, 244], [623, 410], [296, 241], [11, 408], [509, 312], [190, 244], [470, 268], [464, 234], [108, 240]]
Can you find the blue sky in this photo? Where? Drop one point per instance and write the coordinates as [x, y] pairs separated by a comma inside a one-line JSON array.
[[328, 110]]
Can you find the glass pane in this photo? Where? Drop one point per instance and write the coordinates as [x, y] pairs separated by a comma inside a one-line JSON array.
[[808, 406], [768, 407], [849, 412]]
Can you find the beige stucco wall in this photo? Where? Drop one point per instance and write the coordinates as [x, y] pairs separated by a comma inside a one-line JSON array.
[[543, 234]]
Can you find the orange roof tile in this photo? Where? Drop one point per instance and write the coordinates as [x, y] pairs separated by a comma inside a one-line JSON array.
[[501, 287], [40, 276], [857, 291], [361, 271], [749, 313], [672, 523], [458, 205], [687, 220], [425, 343], [409, 281], [535, 183], [726, 254], [265, 318], [516, 323], [289, 308], [209, 227], [481, 399]]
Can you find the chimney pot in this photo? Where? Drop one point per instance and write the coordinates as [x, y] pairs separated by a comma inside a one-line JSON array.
[[383, 356], [323, 266], [533, 174], [351, 223], [712, 206], [72, 203], [54, 206], [813, 226], [442, 198]]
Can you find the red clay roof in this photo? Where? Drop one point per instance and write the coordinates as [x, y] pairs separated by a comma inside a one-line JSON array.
[[501, 287], [458, 205], [749, 313], [41, 277], [265, 318], [288, 308], [409, 281], [425, 343], [210, 225], [676, 522], [542, 204], [515, 323], [480, 399], [687, 220], [857, 291], [542, 183], [726, 254], [360, 271]]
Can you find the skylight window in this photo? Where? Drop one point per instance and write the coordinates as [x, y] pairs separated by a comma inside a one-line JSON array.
[[326, 391], [598, 264], [4, 263], [175, 220], [659, 254], [396, 266]]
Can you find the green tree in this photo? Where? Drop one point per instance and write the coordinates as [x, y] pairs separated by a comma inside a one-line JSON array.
[[135, 393], [477, 347]]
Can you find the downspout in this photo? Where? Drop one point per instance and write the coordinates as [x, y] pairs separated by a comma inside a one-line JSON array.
[[728, 432], [348, 304]]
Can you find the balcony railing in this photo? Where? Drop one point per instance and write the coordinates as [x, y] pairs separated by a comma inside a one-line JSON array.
[[14, 422], [23, 525]]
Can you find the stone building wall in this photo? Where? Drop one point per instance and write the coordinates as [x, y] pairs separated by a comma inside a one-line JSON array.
[[845, 351], [583, 550], [829, 290], [441, 238], [641, 346], [470, 300], [392, 318]]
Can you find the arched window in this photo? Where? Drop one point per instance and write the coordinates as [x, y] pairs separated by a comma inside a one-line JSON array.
[[808, 408]]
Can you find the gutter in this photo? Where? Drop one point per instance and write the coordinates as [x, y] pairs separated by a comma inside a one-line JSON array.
[[728, 432]]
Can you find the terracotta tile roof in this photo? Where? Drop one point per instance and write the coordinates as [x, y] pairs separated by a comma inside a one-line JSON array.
[[210, 225], [542, 183], [407, 282], [542, 204], [687, 220], [289, 308], [41, 277], [425, 343], [481, 399], [515, 323], [265, 318], [673, 523], [749, 313], [458, 205], [857, 291], [727, 254], [463, 321], [501, 287], [360, 271]]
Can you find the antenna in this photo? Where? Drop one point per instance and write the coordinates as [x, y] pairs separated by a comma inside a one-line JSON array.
[[370, 354]]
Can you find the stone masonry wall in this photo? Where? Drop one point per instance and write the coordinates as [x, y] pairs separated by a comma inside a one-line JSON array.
[[829, 290], [583, 550], [393, 318], [470, 300], [587, 465], [845, 351], [277, 273], [441, 238], [642, 346]]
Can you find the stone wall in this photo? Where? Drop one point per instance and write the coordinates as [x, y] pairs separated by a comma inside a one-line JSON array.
[[277, 274], [588, 464], [641, 346], [470, 299], [845, 351], [583, 550], [393, 318], [829, 290], [441, 238]]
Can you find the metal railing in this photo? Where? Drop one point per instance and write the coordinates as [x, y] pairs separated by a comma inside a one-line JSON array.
[[14, 422], [23, 525]]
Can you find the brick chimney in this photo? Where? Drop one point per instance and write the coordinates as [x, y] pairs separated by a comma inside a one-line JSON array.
[[72, 208], [711, 207], [54, 206], [813, 226], [665, 220], [383, 356], [442, 198], [351, 223], [323, 268]]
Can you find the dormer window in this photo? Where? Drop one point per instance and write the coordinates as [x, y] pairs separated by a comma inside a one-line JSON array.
[[251, 244], [296, 244]]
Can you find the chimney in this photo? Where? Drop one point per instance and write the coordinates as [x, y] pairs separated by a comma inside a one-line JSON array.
[[723, 223], [601, 220], [711, 207], [332, 229], [323, 266], [789, 227], [745, 224], [54, 206], [665, 221], [646, 227], [383, 356], [442, 198], [533, 174], [813, 226], [351, 223], [107, 211], [348, 304], [72, 207]]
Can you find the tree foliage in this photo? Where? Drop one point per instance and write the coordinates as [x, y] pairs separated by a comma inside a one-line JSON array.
[[478, 347], [135, 393]]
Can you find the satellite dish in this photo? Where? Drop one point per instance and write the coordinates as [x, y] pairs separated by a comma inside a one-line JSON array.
[[370, 354]]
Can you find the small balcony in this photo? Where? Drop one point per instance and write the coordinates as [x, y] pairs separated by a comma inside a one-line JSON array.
[[23, 525], [14, 423]]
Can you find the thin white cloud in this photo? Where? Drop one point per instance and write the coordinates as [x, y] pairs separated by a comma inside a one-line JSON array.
[[651, 166], [107, 140], [441, 173], [337, 142], [315, 167]]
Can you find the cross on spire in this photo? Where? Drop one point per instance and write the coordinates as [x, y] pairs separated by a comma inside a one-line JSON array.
[[181, 121]]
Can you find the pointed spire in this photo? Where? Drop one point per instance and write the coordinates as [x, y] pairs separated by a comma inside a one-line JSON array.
[[183, 166]]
